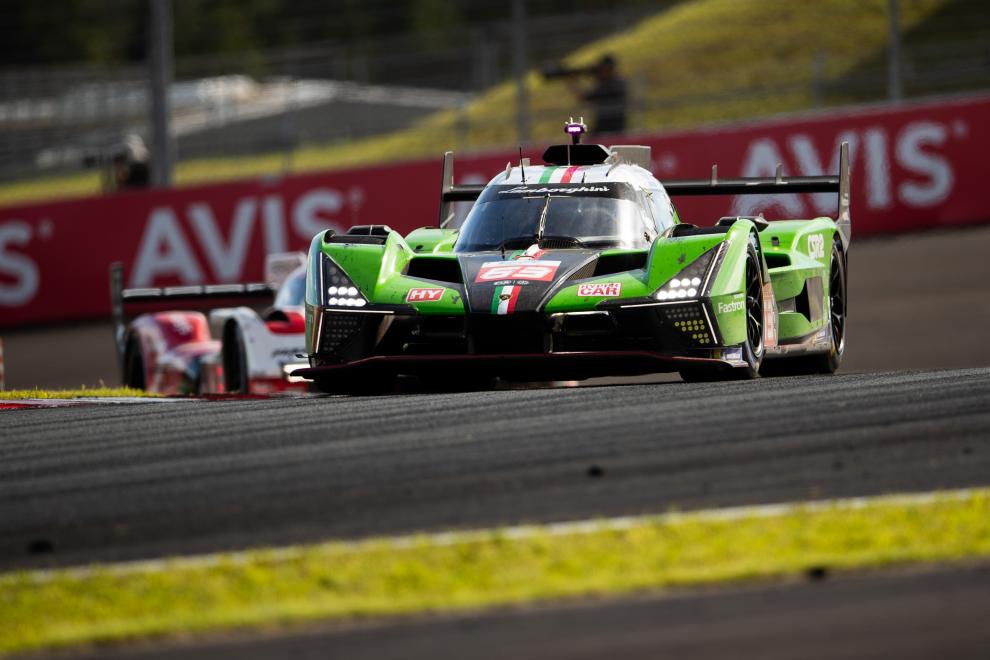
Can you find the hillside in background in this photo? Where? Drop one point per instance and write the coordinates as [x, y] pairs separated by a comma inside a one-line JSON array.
[[699, 62]]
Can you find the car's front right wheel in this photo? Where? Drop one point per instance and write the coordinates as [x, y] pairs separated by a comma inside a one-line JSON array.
[[753, 347]]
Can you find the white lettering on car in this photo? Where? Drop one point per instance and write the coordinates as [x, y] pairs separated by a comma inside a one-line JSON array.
[[603, 290], [531, 190], [816, 246], [536, 271], [425, 295]]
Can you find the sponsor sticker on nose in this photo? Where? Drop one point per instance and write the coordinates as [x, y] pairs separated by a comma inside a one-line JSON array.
[[425, 295], [603, 290]]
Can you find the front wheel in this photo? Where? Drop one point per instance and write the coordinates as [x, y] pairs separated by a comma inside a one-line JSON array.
[[235, 373], [753, 347], [134, 365]]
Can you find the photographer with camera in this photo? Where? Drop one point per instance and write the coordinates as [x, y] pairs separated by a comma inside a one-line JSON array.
[[606, 96]]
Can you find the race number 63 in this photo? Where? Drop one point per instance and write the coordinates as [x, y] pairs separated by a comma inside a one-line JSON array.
[[542, 271]]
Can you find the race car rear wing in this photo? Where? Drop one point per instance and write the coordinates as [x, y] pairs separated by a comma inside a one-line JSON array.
[[777, 185], [169, 297]]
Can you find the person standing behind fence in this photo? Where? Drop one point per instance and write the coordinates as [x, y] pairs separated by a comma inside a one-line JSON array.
[[607, 96], [130, 162]]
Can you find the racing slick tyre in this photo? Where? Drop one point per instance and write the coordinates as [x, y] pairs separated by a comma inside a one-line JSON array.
[[134, 365], [235, 373], [752, 348], [828, 362]]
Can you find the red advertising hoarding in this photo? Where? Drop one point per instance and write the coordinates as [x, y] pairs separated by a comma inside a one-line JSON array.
[[914, 166]]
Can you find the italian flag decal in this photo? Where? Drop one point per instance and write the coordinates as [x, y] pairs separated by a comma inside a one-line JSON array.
[[504, 300], [557, 174]]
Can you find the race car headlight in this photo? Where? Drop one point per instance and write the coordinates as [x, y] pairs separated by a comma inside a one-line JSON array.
[[338, 289], [690, 282]]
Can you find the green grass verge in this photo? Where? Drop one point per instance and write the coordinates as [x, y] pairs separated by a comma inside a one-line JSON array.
[[72, 394], [335, 581], [702, 61]]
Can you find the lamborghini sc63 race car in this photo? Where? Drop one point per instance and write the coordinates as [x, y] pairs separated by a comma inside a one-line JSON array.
[[230, 349], [577, 268]]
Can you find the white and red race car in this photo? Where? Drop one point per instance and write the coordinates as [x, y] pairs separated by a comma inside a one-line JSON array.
[[236, 349]]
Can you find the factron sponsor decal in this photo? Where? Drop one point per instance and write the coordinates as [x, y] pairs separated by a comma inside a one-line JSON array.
[[603, 290], [505, 298], [432, 294], [533, 271], [735, 306]]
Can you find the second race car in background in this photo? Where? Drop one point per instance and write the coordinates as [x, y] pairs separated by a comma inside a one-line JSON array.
[[227, 349]]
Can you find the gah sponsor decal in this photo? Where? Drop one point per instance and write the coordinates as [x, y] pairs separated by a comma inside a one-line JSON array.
[[425, 295], [604, 290], [537, 271], [734, 306]]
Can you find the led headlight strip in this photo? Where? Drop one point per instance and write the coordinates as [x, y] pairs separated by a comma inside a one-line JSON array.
[[690, 282], [339, 290]]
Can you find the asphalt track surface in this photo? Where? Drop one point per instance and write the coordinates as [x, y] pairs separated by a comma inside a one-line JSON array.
[[134, 481]]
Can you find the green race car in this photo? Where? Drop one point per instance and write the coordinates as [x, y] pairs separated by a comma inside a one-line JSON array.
[[580, 268]]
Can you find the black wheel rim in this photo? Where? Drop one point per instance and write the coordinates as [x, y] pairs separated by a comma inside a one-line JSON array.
[[754, 307], [837, 300]]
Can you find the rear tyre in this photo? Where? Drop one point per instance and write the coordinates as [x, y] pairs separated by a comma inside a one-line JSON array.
[[235, 373], [822, 363], [133, 375], [753, 347]]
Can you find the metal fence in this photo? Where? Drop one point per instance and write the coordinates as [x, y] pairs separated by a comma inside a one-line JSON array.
[[64, 119]]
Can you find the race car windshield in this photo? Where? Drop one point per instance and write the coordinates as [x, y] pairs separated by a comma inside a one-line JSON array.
[[578, 215], [292, 291]]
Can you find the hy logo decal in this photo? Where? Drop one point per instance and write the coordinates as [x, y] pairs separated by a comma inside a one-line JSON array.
[[425, 295]]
